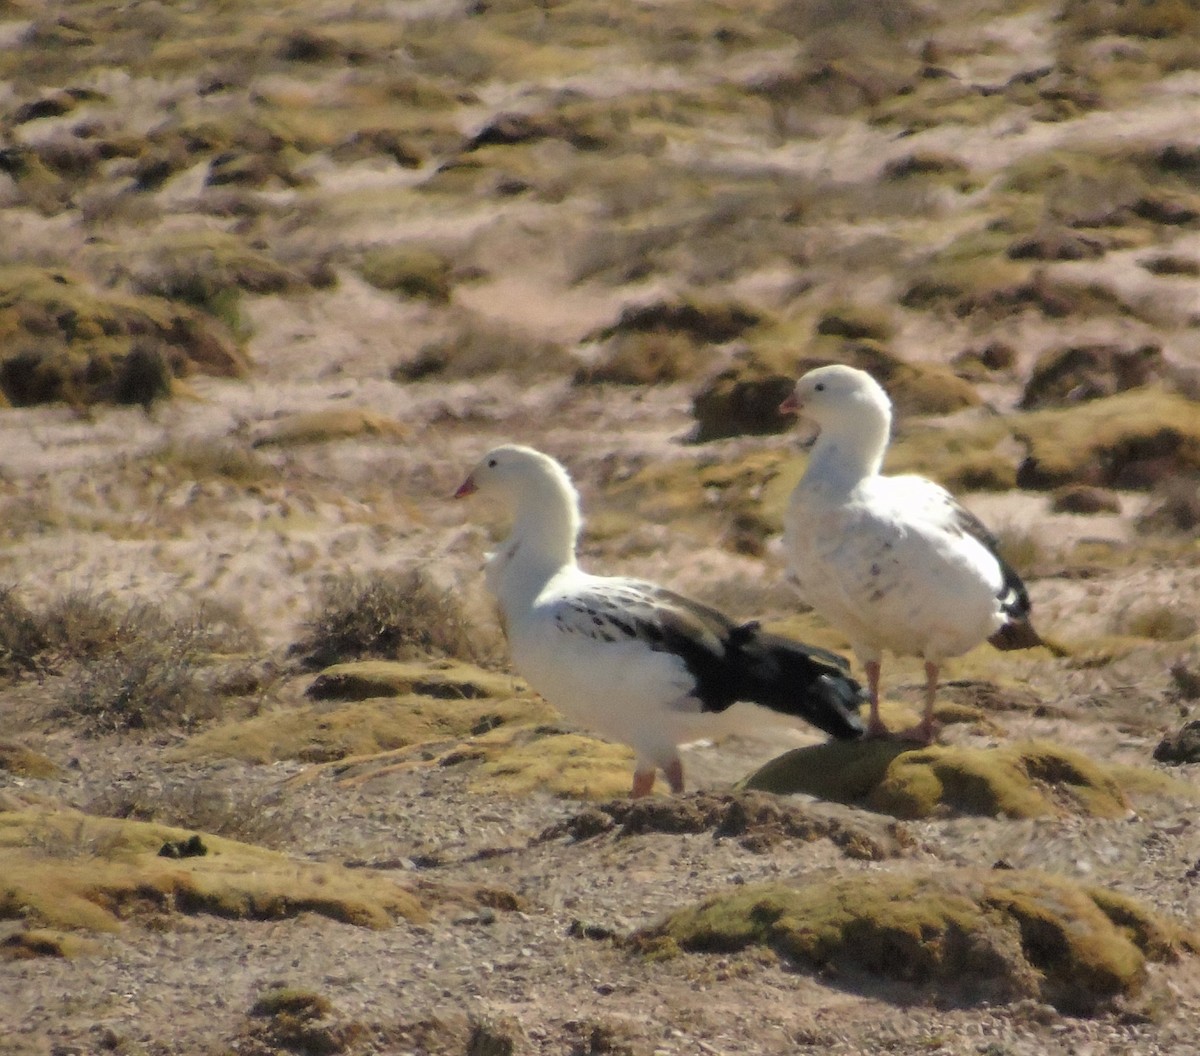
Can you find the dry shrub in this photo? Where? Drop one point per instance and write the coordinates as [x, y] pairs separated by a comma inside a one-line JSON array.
[[250, 815], [22, 636], [123, 666], [390, 615], [152, 669]]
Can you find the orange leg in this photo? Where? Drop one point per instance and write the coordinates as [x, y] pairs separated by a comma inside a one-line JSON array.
[[643, 782], [674, 772], [925, 731], [875, 725]]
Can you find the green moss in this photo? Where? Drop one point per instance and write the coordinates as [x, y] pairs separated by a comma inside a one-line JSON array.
[[363, 727], [522, 759], [1030, 779], [73, 871], [992, 936]]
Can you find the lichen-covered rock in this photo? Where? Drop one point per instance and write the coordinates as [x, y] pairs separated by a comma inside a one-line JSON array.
[[955, 934], [1024, 780]]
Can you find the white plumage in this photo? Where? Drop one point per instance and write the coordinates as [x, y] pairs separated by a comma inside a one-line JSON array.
[[629, 659], [894, 562]]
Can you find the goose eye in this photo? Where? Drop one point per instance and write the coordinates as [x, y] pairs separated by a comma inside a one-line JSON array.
[[820, 386], [491, 463]]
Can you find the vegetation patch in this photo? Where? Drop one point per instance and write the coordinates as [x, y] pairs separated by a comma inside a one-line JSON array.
[[757, 821], [25, 762], [664, 341], [476, 347], [72, 871], [1078, 373], [1025, 780], [413, 271], [967, 936], [1131, 440], [210, 270], [379, 708], [66, 341], [292, 1019], [123, 667], [386, 615], [519, 760]]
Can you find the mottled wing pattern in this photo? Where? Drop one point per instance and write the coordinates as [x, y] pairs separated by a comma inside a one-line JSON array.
[[618, 610], [955, 519]]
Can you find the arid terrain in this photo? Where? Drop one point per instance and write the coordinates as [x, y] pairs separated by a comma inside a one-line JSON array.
[[274, 275]]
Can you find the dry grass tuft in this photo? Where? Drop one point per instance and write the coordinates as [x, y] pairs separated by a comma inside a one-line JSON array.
[[122, 667], [208, 805], [389, 615]]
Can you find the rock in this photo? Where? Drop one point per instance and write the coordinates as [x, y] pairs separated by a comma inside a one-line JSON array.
[[192, 847], [1081, 498], [1182, 746]]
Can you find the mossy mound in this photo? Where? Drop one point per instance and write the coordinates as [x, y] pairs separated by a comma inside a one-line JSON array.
[[75, 872], [1026, 780], [66, 340], [957, 936], [1131, 440], [518, 760], [385, 707], [444, 680]]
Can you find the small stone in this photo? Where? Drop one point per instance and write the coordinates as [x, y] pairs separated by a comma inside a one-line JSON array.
[[1182, 746]]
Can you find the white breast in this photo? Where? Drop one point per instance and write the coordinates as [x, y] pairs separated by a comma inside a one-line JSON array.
[[883, 565]]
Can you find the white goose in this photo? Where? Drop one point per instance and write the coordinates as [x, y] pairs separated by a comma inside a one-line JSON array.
[[894, 562], [626, 658]]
